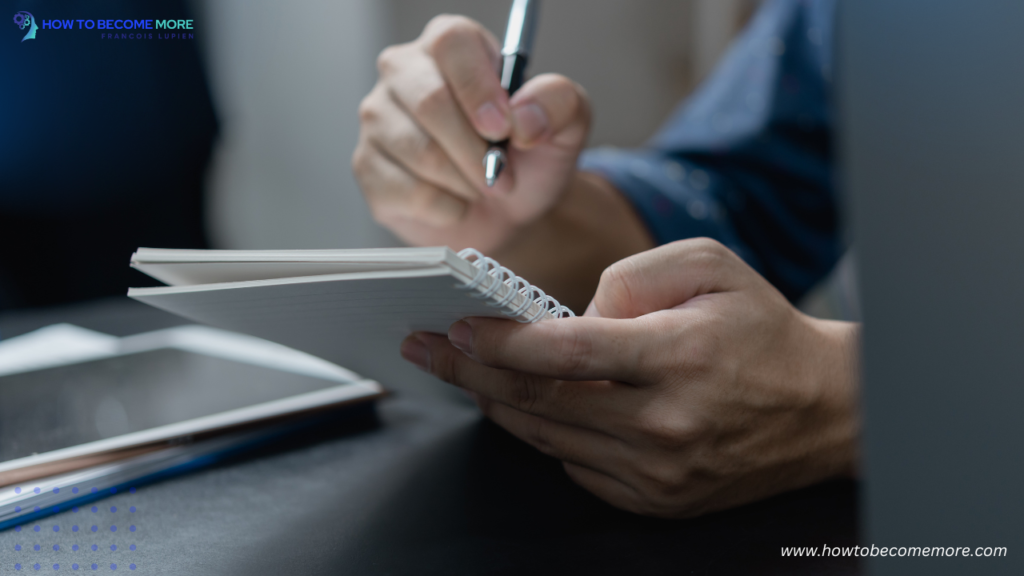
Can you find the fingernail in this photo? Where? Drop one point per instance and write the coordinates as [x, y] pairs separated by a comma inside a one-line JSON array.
[[491, 121], [461, 336], [416, 352], [530, 122]]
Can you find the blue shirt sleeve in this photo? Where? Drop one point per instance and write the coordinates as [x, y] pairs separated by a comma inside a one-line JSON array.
[[748, 159]]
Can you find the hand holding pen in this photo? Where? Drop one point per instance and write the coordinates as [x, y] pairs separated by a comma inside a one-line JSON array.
[[429, 122], [515, 53]]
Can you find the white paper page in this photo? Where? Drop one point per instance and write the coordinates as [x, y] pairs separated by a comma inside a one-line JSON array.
[[192, 267], [358, 323]]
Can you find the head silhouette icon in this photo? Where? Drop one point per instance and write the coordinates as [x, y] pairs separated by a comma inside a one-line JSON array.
[[26, 20]]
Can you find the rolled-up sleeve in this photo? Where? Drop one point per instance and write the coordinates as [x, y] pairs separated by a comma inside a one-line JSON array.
[[748, 159]]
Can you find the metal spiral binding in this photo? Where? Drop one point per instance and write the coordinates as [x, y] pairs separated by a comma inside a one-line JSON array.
[[490, 268]]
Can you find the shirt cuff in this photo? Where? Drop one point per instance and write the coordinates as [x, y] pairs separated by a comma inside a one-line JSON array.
[[676, 198]]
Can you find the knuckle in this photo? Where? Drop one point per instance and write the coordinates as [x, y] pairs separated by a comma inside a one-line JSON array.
[[368, 109], [433, 101], [573, 353], [446, 367], [524, 393], [662, 479], [444, 29], [388, 59], [667, 432], [710, 251], [615, 289]]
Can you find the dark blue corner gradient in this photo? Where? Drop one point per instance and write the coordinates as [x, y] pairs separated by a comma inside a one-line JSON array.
[[103, 148]]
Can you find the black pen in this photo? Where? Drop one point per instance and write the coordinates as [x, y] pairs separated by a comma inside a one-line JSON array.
[[522, 22]]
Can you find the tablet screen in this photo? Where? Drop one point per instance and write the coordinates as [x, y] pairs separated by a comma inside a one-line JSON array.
[[65, 406]]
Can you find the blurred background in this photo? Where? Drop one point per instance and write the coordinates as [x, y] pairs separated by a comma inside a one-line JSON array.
[[242, 138]]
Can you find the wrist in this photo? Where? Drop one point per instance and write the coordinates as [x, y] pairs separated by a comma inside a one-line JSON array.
[[838, 380], [565, 251]]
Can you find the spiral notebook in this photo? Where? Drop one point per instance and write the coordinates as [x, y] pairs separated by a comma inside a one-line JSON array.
[[350, 307]]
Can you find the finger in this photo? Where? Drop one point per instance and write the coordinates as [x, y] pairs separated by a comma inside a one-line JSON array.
[[668, 276], [395, 195], [568, 349], [388, 127], [426, 97], [565, 442], [467, 56], [593, 405], [550, 108], [605, 487]]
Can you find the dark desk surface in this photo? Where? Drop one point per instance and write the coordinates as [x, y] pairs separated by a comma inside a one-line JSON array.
[[431, 489]]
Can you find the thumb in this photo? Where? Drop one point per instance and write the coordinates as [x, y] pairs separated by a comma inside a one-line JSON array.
[[666, 277], [550, 108]]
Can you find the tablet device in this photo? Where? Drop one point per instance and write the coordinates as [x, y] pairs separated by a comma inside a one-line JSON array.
[[146, 392]]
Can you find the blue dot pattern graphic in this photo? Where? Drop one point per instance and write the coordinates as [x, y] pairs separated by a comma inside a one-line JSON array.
[[68, 548]]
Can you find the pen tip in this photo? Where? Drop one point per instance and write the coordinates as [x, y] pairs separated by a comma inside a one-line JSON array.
[[494, 162]]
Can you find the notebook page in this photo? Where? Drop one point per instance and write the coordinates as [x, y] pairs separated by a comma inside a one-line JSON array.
[[357, 322], [193, 267]]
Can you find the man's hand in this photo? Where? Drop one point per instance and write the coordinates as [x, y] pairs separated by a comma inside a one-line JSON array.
[[690, 385], [425, 129]]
